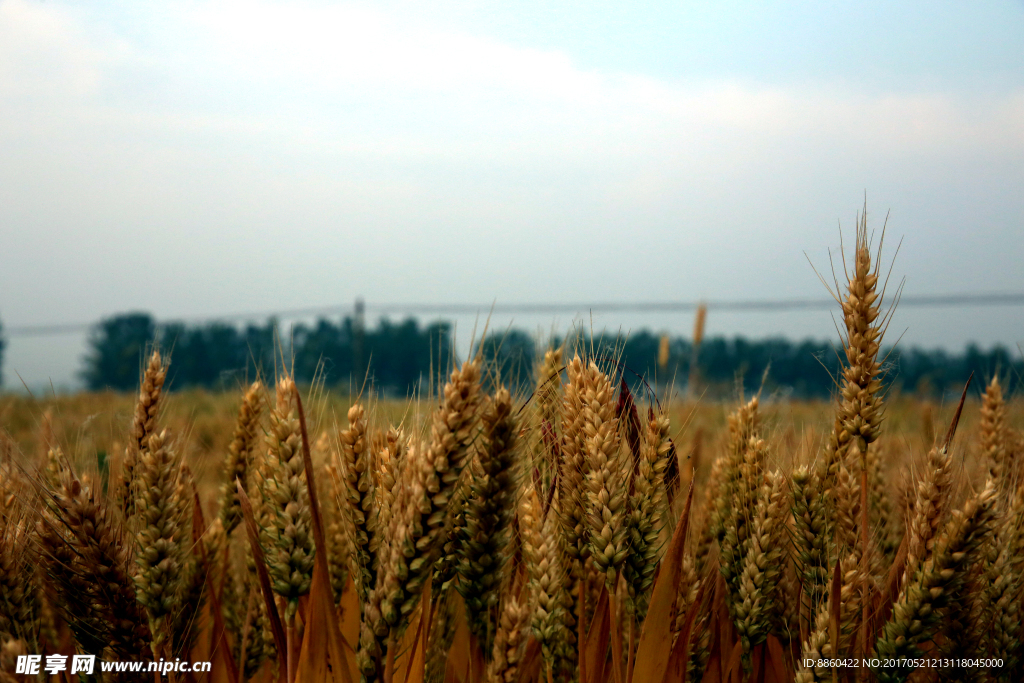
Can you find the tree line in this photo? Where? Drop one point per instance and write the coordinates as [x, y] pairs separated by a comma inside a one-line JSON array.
[[216, 355], [401, 357]]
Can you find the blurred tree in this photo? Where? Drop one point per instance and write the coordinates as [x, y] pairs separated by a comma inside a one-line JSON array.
[[214, 355], [116, 351], [403, 357], [509, 357], [260, 346], [396, 357], [324, 343]]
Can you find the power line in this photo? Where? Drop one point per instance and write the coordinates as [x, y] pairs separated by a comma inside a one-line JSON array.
[[751, 305]]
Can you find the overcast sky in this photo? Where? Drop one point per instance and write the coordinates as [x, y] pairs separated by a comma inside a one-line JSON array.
[[196, 159]]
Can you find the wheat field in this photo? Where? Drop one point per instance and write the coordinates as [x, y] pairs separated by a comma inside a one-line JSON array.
[[586, 532]]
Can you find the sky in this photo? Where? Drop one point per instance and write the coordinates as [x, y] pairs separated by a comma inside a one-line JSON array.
[[198, 159]]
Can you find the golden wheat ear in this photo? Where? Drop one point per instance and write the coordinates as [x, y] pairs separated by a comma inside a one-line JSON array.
[[288, 538], [483, 547], [143, 427], [918, 613], [573, 467], [994, 437], [88, 562], [358, 498], [241, 455], [646, 517], [931, 496], [606, 480], [552, 621], [760, 588], [415, 537]]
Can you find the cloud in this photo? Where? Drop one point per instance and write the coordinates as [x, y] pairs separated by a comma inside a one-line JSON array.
[[43, 51], [349, 79]]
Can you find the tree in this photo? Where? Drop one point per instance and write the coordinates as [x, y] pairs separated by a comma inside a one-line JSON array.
[[401, 356], [324, 348], [207, 356], [508, 357], [117, 348]]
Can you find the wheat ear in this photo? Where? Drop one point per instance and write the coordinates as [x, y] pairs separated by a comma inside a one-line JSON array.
[[143, 425], [89, 560], [929, 501], [763, 567], [917, 613], [552, 620], [163, 538], [607, 476], [509, 642], [357, 481], [19, 591], [414, 538], [573, 466], [241, 454], [646, 518], [736, 490], [994, 445], [288, 538], [485, 535]]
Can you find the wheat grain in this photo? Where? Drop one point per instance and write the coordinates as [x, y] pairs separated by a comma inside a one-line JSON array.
[[509, 642]]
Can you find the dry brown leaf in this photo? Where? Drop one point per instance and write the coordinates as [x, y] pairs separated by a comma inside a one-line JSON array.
[[323, 638], [458, 654], [655, 647], [264, 578], [776, 665], [594, 649]]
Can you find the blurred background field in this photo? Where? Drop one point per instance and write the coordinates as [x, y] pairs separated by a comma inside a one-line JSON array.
[[90, 426]]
